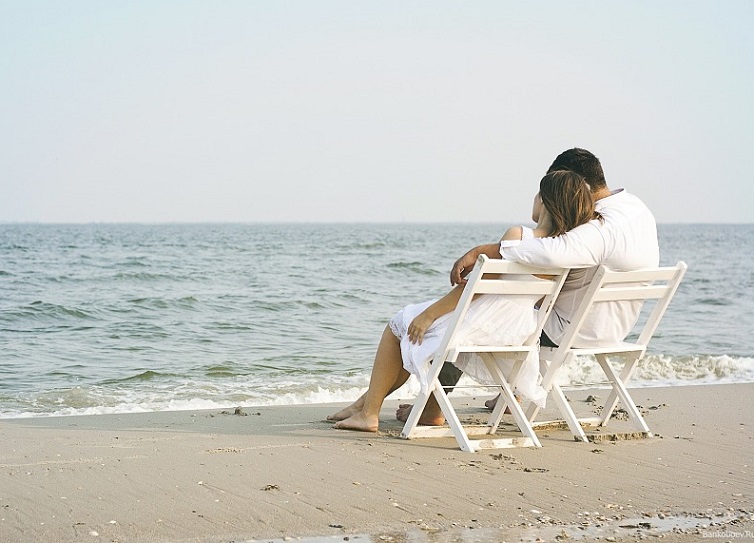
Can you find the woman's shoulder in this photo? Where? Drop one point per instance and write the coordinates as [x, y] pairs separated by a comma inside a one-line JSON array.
[[518, 233]]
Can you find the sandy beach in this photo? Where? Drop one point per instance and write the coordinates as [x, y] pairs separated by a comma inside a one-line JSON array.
[[283, 473]]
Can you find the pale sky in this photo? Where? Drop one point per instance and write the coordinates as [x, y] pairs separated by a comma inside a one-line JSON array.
[[335, 111]]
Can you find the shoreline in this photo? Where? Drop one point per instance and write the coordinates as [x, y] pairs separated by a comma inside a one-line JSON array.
[[284, 472], [404, 394]]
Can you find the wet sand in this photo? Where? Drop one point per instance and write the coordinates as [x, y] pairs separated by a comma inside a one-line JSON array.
[[283, 473]]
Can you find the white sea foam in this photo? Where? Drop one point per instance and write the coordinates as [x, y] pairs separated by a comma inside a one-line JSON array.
[[654, 371], [661, 370]]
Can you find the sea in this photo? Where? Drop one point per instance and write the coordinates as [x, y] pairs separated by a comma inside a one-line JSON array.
[[122, 318]]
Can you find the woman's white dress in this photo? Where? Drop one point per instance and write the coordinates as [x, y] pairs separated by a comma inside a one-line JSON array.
[[491, 320]]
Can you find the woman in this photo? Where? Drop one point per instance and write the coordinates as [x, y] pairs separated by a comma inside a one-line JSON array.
[[412, 336]]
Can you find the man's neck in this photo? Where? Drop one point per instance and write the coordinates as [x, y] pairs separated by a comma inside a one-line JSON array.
[[599, 194]]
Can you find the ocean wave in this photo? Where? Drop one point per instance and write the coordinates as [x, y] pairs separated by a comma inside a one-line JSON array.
[[39, 310], [227, 327], [147, 375], [177, 394], [222, 386], [713, 301], [140, 276], [222, 371], [153, 302], [659, 370], [415, 267]]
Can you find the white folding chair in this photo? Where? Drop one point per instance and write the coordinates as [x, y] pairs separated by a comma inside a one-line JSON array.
[[658, 284], [486, 278]]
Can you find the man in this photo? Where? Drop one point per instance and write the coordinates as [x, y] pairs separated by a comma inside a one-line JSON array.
[[625, 239]]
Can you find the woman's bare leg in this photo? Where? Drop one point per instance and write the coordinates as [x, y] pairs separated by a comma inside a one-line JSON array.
[[387, 376]]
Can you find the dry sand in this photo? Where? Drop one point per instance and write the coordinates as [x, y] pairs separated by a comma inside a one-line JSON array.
[[283, 472]]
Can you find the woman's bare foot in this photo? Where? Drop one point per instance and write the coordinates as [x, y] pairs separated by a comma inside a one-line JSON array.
[[404, 410], [343, 414], [360, 422], [352, 409]]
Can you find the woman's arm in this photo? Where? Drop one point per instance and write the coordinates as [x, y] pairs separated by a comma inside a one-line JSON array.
[[424, 320], [448, 303]]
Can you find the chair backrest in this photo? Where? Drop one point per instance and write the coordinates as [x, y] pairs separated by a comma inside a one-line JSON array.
[[628, 286], [492, 276]]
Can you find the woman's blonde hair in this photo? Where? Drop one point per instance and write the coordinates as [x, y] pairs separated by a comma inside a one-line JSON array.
[[568, 199]]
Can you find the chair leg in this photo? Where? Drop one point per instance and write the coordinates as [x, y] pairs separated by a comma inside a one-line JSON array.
[[619, 389], [548, 371], [421, 400], [447, 409], [413, 418], [507, 392], [570, 417], [496, 416], [453, 421], [629, 367], [533, 409]]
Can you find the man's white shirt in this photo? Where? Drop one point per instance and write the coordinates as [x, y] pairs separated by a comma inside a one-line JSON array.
[[626, 239]]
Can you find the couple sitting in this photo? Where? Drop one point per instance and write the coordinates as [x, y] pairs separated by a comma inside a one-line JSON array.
[[580, 224]]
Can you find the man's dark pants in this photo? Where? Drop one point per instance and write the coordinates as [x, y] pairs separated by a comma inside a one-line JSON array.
[[450, 375]]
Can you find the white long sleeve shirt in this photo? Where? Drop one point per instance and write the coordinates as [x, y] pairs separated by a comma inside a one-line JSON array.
[[625, 240]]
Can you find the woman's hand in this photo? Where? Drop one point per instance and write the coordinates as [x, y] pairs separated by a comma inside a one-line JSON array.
[[419, 327]]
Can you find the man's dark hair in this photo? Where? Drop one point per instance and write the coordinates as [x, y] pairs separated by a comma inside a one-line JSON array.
[[583, 163]]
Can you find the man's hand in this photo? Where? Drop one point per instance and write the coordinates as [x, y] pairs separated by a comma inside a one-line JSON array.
[[465, 264]]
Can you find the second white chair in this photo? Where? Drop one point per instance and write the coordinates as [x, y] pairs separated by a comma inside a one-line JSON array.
[[659, 284]]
